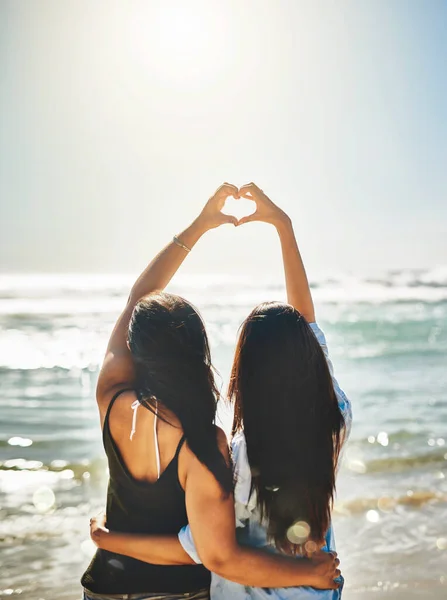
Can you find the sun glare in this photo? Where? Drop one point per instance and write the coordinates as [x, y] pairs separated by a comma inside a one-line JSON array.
[[182, 41], [182, 31]]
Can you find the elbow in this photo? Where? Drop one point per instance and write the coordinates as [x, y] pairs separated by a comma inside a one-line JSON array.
[[219, 560]]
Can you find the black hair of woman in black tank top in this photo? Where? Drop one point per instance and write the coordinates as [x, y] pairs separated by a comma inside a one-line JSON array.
[[170, 350]]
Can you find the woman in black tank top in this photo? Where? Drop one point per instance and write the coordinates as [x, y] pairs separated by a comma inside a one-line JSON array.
[[143, 507], [158, 358], [159, 353]]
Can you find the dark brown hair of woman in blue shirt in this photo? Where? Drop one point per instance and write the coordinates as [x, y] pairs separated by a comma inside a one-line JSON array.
[[285, 403]]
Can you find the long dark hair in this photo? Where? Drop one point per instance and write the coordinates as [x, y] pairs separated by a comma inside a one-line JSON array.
[[285, 402], [171, 354]]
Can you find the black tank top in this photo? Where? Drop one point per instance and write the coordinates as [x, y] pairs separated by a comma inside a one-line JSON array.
[[140, 507]]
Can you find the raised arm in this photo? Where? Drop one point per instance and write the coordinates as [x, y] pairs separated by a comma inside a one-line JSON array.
[[117, 369], [298, 291]]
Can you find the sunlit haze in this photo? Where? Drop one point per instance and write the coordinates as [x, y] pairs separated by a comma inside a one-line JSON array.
[[119, 119]]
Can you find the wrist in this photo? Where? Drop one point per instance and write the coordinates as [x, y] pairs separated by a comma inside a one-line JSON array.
[[283, 224], [311, 572], [200, 225], [192, 234]]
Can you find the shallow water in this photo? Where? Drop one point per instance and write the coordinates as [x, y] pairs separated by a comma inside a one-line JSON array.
[[388, 341]]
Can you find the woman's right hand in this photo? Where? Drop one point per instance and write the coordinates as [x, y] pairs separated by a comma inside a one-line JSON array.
[[212, 215], [325, 566], [98, 528], [266, 210]]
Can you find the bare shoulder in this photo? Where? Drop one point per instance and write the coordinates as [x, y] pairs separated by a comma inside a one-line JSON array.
[[222, 442], [191, 468], [116, 374], [121, 413]]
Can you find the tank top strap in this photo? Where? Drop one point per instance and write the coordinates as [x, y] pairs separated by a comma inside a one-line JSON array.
[[112, 401], [179, 447]]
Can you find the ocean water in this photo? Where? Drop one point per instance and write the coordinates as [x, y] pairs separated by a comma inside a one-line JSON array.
[[388, 341]]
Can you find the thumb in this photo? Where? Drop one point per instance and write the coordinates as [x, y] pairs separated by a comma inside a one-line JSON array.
[[248, 219]]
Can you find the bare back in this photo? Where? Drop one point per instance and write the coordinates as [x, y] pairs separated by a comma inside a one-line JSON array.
[[139, 453]]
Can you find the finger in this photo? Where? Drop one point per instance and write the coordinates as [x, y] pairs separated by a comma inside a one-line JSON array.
[[229, 219], [248, 187], [337, 562], [247, 195], [257, 188], [248, 219], [337, 573], [229, 189], [251, 187]]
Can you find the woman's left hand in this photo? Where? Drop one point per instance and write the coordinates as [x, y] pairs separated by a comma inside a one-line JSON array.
[[266, 210], [212, 215], [98, 528]]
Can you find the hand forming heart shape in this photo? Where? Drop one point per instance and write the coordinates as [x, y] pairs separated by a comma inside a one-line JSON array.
[[238, 208], [265, 210]]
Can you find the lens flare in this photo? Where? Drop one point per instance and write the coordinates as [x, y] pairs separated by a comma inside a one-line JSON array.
[[44, 499], [382, 438], [310, 547], [373, 516], [298, 532], [116, 564], [441, 543]]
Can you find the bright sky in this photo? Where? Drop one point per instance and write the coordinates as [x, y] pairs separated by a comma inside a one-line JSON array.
[[120, 118]]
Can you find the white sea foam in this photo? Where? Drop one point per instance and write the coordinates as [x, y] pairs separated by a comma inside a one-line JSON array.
[[64, 321], [34, 294]]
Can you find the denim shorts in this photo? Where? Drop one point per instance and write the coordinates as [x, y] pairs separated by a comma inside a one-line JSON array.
[[199, 595]]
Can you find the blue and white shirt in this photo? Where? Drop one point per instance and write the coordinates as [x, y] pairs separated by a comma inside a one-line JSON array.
[[251, 531]]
